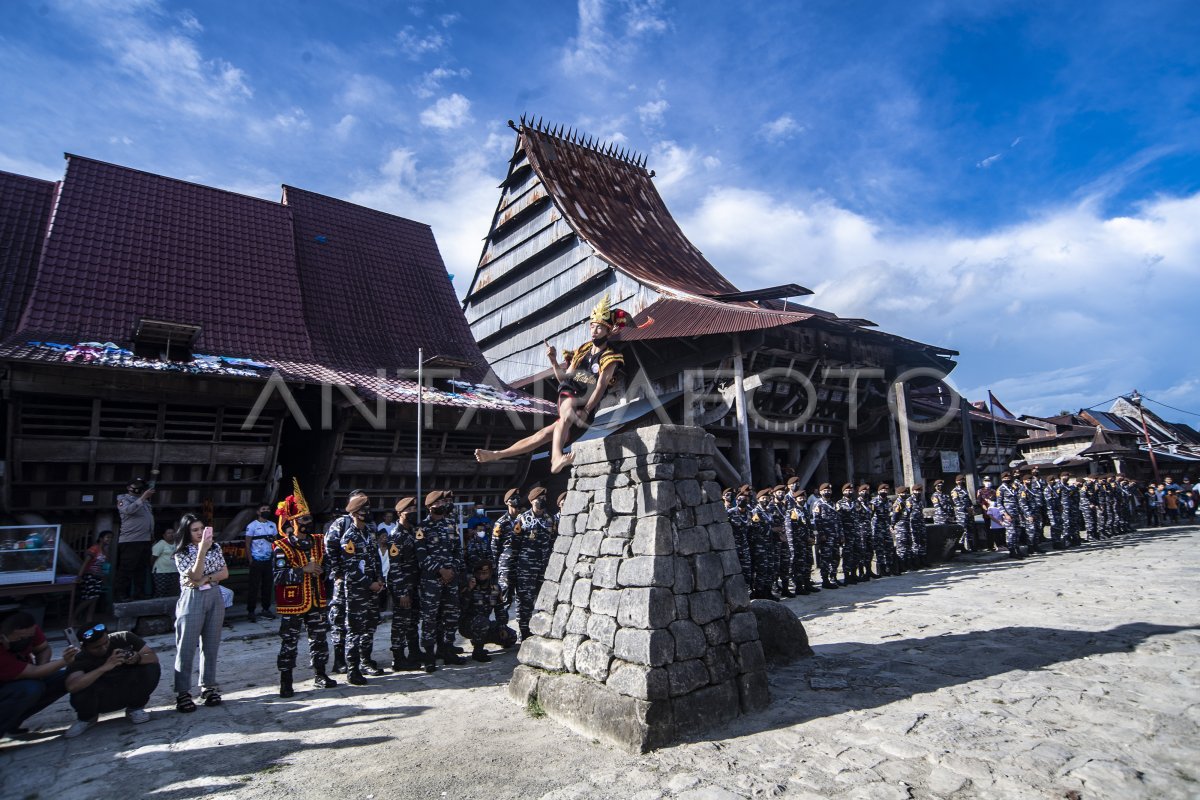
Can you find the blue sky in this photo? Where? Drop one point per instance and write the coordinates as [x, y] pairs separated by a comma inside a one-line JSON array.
[[1018, 181]]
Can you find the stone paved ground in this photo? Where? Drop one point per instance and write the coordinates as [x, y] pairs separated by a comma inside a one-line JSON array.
[[1073, 675]]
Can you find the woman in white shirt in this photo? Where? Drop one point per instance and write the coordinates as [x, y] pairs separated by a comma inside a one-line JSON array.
[[199, 613]]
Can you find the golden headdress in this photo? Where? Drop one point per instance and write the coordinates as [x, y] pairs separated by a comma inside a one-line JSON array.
[[292, 507], [605, 314]]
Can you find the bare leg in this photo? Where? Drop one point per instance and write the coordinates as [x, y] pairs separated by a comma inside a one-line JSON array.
[[567, 415], [527, 445]]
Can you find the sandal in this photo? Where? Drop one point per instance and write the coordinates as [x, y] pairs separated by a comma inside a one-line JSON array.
[[211, 697], [184, 703]]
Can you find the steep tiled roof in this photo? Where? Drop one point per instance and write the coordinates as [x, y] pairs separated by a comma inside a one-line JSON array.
[[375, 287], [316, 288], [613, 204], [25, 206], [129, 245]]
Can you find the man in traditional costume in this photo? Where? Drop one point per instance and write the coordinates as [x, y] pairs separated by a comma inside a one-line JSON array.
[[584, 376], [298, 565]]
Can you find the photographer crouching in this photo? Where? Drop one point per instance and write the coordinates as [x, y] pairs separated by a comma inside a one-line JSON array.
[[112, 672]]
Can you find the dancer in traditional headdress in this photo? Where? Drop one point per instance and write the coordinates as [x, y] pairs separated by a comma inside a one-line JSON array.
[[299, 565], [584, 376]]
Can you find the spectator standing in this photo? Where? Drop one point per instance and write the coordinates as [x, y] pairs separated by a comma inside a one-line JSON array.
[[388, 526], [1171, 505], [479, 517], [30, 679], [260, 535], [986, 496], [1153, 506], [92, 573], [133, 544], [199, 612], [163, 569], [112, 672]]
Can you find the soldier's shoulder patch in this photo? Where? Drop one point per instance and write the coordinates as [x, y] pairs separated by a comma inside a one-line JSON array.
[[348, 547], [395, 551], [533, 534], [497, 529], [420, 534], [795, 515]]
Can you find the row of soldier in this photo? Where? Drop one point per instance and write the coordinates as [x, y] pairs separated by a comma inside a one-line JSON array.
[[782, 534], [439, 585]]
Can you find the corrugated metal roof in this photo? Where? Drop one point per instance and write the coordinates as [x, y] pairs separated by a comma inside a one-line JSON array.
[[671, 317], [613, 204]]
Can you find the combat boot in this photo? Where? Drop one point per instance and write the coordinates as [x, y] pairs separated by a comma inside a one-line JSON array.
[[399, 662], [285, 683], [431, 660], [369, 667], [812, 588], [339, 661], [320, 679], [480, 655], [525, 634], [354, 677], [449, 657], [828, 584]]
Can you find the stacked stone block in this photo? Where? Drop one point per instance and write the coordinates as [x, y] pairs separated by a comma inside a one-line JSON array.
[[642, 629]]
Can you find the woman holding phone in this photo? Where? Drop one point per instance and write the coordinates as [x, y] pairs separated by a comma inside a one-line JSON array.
[[199, 613]]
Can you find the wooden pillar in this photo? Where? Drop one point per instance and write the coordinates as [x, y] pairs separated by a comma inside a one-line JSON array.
[[968, 438], [743, 423], [766, 464], [911, 469], [849, 459], [814, 456], [897, 462]]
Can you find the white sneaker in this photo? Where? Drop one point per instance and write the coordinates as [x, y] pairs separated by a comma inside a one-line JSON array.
[[79, 727], [137, 715]]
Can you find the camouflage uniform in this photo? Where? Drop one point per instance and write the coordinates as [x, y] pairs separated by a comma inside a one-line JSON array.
[[960, 501], [862, 531], [336, 561], [531, 544], [762, 520], [799, 530], [1038, 487], [943, 511], [739, 520], [438, 548], [1027, 502], [881, 534], [848, 539], [827, 525], [1071, 517], [1006, 496], [478, 605], [361, 567], [916, 521], [502, 532], [785, 546], [403, 583], [1087, 507], [901, 521], [1052, 501]]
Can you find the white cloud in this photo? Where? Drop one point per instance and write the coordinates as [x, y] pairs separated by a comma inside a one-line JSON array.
[[1070, 286], [595, 50], [365, 92], [781, 129], [292, 120], [345, 126], [651, 113], [166, 61], [457, 201], [447, 113], [125, 140], [449, 19], [432, 81], [415, 45], [987, 162]]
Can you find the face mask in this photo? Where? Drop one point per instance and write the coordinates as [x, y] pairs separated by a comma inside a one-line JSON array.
[[481, 534], [987, 483]]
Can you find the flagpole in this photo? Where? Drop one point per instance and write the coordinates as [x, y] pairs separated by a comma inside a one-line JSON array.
[[420, 424]]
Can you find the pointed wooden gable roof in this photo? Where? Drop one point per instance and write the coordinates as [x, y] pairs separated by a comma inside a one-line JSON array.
[[608, 197]]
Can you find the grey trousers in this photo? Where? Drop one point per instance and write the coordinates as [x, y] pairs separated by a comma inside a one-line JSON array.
[[198, 619]]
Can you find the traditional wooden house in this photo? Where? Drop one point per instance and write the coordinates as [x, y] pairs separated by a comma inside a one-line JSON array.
[[221, 344], [783, 386]]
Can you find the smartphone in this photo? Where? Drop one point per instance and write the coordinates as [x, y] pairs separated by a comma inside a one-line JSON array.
[[208, 532], [72, 639]]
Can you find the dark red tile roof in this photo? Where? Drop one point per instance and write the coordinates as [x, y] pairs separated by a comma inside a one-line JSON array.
[[128, 244], [25, 206], [375, 288], [670, 317], [316, 288], [613, 204]]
